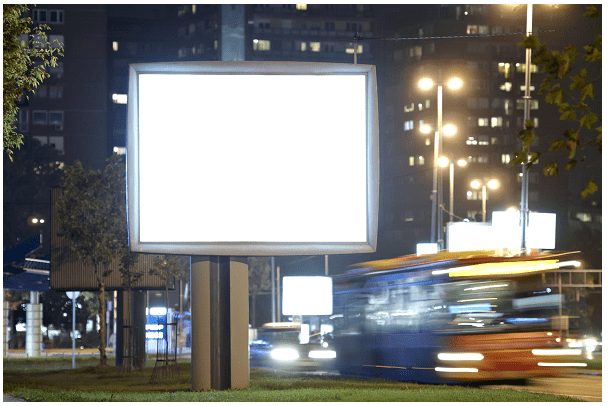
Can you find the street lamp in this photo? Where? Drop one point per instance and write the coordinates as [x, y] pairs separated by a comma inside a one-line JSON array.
[[426, 84], [492, 184], [524, 190], [444, 162]]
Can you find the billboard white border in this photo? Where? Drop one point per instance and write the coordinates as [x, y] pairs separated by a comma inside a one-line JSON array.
[[245, 247]]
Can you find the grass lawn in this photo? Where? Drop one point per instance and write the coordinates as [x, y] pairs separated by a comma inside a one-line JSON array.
[[52, 380]]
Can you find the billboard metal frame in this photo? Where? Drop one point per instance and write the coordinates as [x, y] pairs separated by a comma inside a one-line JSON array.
[[245, 247]]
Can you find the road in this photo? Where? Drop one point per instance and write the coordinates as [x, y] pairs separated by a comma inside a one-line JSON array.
[[584, 386]]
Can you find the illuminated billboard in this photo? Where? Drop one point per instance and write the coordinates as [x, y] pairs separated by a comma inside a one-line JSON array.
[[252, 158], [306, 296]]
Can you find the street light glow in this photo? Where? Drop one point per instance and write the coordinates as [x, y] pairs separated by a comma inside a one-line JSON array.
[[450, 130], [425, 84], [493, 184], [443, 162], [425, 129], [454, 83], [461, 163], [475, 184]]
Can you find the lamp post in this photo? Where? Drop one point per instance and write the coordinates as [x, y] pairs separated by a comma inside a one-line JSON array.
[[492, 184], [444, 162], [426, 84], [524, 190]]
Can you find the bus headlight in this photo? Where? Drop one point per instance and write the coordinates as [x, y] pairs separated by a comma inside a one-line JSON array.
[[460, 356], [284, 354], [322, 354], [556, 351]]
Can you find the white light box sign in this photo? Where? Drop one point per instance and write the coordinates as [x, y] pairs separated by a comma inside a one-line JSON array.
[[470, 236], [306, 296], [252, 158], [541, 231]]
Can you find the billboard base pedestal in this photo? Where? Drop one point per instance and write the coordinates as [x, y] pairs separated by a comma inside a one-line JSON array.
[[219, 319]]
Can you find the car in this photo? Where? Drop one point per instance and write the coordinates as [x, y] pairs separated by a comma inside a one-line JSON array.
[[281, 346]]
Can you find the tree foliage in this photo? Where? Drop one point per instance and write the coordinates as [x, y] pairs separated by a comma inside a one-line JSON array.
[[27, 55], [572, 77], [92, 212]]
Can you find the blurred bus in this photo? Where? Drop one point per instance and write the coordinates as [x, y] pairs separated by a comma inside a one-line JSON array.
[[452, 317]]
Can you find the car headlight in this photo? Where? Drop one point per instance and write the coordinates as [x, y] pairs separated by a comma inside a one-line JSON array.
[[322, 354], [284, 354]]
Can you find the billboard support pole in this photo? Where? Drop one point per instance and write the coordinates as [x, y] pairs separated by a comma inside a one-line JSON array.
[[219, 320]]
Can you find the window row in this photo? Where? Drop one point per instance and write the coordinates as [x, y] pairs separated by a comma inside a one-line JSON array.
[[312, 25], [53, 118], [49, 91], [47, 16], [55, 141], [410, 107], [307, 46]]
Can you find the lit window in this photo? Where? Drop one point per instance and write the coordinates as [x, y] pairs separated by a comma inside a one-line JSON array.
[[119, 98], [584, 217], [315, 46], [57, 143], [471, 141], [262, 45], [408, 125], [408, 108], [427, 142], [301, 7], [410, 161], [476, 29], [483, 140], [194, 9], [420, 106], [506, 158], [482, 122], [421, 160], [520, 67], [415, 52], [115, 46], [506, 87], [504, 68], [119, 150], [522, 88], [349, 49], [496, 122], [520, 104], [427, 103], [303, 46]]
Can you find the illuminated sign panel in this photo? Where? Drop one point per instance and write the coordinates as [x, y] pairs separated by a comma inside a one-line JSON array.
[[252, 158], [306, 296]]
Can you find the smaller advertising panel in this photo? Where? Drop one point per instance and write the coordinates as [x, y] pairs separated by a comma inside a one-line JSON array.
[[307, 296]]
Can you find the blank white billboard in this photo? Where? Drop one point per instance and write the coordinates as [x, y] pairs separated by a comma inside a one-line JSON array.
[[306, 296], [252, 158]]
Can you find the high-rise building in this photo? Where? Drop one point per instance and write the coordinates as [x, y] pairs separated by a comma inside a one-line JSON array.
[[480, 44], [69, 109]]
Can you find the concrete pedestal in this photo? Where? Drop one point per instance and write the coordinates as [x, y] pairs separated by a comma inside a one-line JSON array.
[[220, 312], [33, 326]]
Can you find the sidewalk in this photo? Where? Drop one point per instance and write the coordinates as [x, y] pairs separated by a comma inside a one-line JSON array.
[[58, 352]]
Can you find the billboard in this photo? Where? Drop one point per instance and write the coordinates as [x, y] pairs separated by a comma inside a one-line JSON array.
[[252, 158]]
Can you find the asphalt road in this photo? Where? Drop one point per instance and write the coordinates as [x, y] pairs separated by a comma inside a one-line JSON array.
[[584, 386]]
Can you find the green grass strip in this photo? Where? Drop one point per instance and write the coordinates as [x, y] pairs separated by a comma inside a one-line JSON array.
[[41, 380]]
